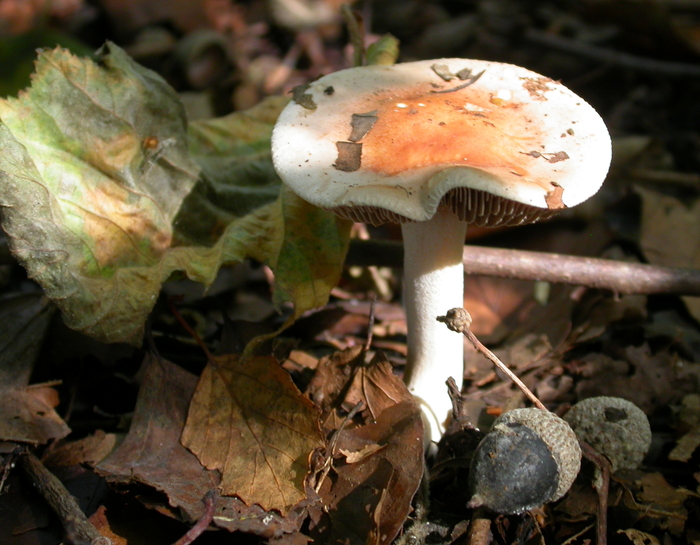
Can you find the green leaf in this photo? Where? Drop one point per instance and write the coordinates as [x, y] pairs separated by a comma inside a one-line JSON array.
[[97, 184], [384, 51], [311, 255], [233, 153]]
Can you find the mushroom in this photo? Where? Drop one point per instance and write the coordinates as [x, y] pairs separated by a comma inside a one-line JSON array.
[[435, 145]]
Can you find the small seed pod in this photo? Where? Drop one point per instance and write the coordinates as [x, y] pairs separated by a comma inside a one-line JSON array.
[[529, 457], [614, 427]]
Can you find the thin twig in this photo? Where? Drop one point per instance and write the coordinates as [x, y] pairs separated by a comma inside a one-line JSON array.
[[370, 324], [204, 521], [189, 329], [617, 276], [76, 524], [612, 57], [333, 443], [459, 320], [602, 487]]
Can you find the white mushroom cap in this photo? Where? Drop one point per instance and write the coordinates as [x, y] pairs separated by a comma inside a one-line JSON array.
[[393, 141]]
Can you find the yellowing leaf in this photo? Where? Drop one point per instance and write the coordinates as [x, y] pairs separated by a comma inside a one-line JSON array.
[[311, 254], [248, 420], [93, 170]]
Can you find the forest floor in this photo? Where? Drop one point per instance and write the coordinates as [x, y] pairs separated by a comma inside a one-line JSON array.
[[636, 62]]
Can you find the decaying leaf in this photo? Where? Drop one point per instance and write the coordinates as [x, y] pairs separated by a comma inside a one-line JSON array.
[[368, 499], [27, 413], [376, 463], [152, 455], [663, 218], [94, 169], [248, 420], [660, 502], [639, 538], [88, 450], [237, 175], [689, 417]]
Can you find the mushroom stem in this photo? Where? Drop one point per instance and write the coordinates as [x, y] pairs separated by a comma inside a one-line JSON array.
[[433, 283]]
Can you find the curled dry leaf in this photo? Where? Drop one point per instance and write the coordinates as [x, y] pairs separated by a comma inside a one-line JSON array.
[[248, 420], [27, 415], [375, 461], [368, 499]]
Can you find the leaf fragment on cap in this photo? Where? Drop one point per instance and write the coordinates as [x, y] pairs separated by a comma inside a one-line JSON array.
[[302, 98], [349, 156], [361, 124], [553, 198]]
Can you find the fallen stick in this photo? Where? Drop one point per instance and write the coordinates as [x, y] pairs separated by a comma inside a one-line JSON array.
[[617, 276], [78, 527]]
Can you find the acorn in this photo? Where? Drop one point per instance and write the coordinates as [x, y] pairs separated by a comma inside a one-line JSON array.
[[530, 457], [614, 427]]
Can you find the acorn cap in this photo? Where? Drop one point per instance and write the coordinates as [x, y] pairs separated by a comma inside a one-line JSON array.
[[529, 457], [614, 427], [496, 142], [559, 437]]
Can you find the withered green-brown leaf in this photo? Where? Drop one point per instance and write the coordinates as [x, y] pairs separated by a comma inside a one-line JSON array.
[[94, 180], [248, 420], [237, 175], [93, 170]]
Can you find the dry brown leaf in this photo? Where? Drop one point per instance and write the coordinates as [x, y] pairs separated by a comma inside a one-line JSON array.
[[354, 456], [639, 538], [332, 374], [25, 416], [497, 305], [662, 502], [689, 417], [663, 219], [377, 462], [152, 455], [88, 450], [650, 380], [368, 501], [248, 420], [381, 388]]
